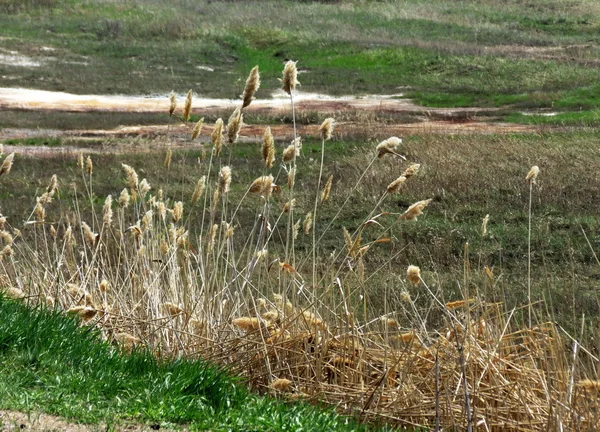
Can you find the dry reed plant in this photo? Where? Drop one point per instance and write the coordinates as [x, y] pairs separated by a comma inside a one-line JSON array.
[[294, 321]]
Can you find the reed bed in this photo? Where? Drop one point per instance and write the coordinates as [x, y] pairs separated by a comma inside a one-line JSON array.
[[174, 275]]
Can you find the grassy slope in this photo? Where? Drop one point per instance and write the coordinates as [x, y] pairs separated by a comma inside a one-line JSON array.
[[49, 363], [441, 53]]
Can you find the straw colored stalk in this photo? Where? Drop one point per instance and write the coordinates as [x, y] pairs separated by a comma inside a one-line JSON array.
[[389, 146], [268, 148], [217, 136], [262, 185], [187, 108], [252, 85], [415, 210], [290, 77]]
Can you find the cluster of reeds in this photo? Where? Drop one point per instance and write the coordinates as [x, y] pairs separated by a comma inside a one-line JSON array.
[[294, 322]]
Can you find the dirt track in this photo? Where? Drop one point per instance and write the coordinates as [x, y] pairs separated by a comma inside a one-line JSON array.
[[421, 120]]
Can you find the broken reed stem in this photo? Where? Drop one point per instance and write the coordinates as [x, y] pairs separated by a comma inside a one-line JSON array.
[[314, 229]]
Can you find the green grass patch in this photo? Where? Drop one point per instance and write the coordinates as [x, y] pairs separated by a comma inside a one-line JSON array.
[[48, 142], [576, 118], [51, 364]]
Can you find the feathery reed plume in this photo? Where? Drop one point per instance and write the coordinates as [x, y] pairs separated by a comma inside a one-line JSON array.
[[234, 125], [291, 177], [589, 385], [39, 211], [405, 296], [246, 323], [290, 205], [173, 103], [307, 224], [197, 129], [177, 211], [268, 148], [1, 149], [7, 164], [327, 189], [147, 221], [172, 309], [532, 174], [124, 198], [289, 153], [347, 239], [413, 274], [228, 229], [290, 77], [252, 84], [281, 384], [326, 129], [80, 162], [13, 293], [6, 237], [411, 170], [104, 286], [132, 177], [161, 209], [187, 108], [389, 146], [86, 313], [89, 235], [296, 225], [144, 187], [168, 157], [126, 340], [224, 180], [212, 235], [6, 251], [2, 222], [107, 212], [415, 210], [52, 186], [89, 165], [395, 186], [217, 136], [389, 322], [199, 189], [484, 225], [262, 185]]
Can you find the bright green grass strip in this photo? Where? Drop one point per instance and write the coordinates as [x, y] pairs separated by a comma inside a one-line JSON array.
[[49, 363], [576, 118]]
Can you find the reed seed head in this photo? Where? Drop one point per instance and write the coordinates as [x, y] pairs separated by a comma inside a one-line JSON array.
[[132, 177], [289, 153], [290, 77], [411, 170], [80, 161], [89, 165], [7, 164], [6, 251], [217, 136], [297, 228], [262, 185], [177, 211], [289, 205], [532, 175], [212, 235], [89, 236], [268, 148], [415, 210], [589, 385], [173, 103], [104, 286], [168, 157], [234, 125], [282, 384], [224, 180], [308, 221], [197, 129], [395, 186], [107, 212], [187, 108], [326, 129], [291, 177], [327, 189], [144, 188], [247, 324], [6, 237], [252, 84], [172, 309], [484, 225], [13, 293], [124, 198], [389, 146], [199, 189], [413, 274]]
